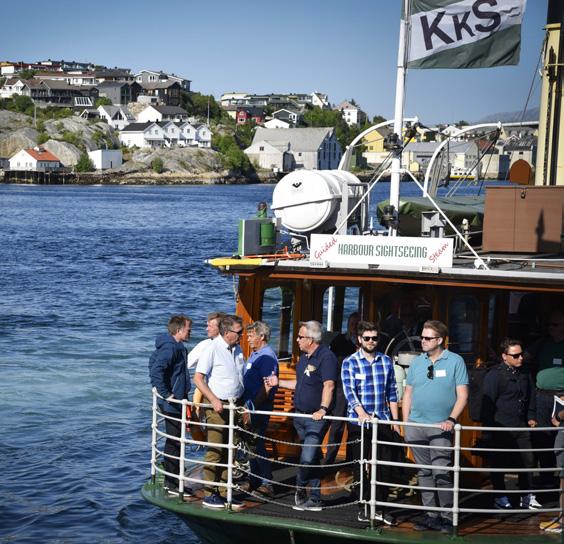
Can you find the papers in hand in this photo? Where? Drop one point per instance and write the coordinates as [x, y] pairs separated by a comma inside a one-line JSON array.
[[557, 406]]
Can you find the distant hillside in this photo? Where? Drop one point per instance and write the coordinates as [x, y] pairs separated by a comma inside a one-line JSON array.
[[512, 116]]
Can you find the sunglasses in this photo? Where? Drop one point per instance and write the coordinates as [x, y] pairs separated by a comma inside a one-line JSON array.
[[430, 372], [368, 338], [515, 355], [429, 338], [238, 333]]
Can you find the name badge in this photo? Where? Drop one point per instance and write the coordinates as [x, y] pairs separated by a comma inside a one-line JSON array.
[[360, 376], [557, 362], [440, 373], [249, 366]]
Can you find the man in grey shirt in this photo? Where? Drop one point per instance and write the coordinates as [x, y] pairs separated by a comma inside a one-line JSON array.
[[219, 376]]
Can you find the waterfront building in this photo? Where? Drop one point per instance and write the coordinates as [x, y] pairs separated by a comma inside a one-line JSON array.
[[165, 134], [283, 150], [104, 159], [35, 159], [374, 143]]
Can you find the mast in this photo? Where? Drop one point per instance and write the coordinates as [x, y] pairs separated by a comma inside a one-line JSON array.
[[550, 152], [398, 113]]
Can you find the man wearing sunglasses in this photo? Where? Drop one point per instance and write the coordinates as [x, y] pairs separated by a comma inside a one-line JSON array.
[[509, 401], [436, 393], [369, 386], [219, 376]]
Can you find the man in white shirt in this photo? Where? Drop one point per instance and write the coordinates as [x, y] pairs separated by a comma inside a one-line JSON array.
[[219, 376]]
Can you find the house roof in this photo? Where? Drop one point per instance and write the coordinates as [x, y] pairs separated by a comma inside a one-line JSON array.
[[41, 155], [112, 110], [137, 127], [159, 85], [299, 139], [170, 110], [346, 105]]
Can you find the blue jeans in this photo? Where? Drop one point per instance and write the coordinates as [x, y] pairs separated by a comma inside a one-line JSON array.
[[311, 433], [262, 468]]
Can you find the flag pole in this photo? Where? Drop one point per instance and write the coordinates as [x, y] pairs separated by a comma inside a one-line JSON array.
[[398, 114]]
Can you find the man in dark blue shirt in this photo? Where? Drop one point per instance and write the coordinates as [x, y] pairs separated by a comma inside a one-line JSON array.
[[169, 376], [316, 374]]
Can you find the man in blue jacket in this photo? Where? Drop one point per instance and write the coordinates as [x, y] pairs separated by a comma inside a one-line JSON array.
[[169, 376]]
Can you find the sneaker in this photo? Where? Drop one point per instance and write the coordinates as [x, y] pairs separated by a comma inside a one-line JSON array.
[[530, 501], [244, 485], [300, 497], [429, 524], [213, 501], [386, 518], [312, 505], [363, 516], [551, 526], [172, 489], [235, 504], [265, 491], [502, 503]]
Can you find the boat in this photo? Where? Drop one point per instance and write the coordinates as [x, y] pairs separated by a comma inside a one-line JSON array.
[[320, 258]]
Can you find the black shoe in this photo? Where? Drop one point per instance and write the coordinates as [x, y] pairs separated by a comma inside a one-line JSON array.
[[428, 523], [363, 517], [171, 488], [386, 518], [446, 527]]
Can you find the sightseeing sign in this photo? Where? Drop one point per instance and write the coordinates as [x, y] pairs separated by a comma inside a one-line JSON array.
[[423, 253]]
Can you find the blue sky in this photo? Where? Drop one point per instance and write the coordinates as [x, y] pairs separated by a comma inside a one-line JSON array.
[[347, 49]]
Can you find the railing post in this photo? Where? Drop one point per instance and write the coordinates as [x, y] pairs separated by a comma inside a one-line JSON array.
[[373, 472], [182, 450], [456, 479], [154, 439], [230, 452]]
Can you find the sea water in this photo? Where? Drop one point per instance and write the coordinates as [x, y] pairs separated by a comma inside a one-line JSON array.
[[88, 277]]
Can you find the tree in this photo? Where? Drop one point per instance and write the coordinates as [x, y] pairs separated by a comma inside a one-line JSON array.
[[157, 165], [378, 119], [197, 104], [23, 104], [84, 163], [103, 101], [27, 74]]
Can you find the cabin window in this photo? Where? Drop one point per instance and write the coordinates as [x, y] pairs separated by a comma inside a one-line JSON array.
[[523, 319], [464, 326], [338, 304], [278, 312]]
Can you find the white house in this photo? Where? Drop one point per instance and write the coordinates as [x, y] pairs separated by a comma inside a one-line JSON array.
[[157, 114], [203, 135], [277, 123], [11, 87], [142, 135], [296, 148], [36, 159], [320, 100], [103, 159], [167, 134], [188, 134], [352, 114], [118, 117]]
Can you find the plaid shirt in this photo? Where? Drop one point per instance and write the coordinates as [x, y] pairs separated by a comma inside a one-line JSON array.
[[369, 384]]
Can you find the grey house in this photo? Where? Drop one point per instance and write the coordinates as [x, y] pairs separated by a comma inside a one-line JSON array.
[[284, 150], [120, 92]]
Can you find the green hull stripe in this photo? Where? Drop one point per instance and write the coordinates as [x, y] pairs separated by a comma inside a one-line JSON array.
[[428, 5], [153, 493]]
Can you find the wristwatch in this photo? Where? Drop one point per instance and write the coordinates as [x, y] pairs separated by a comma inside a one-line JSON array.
[[452, 420], [324, 408]]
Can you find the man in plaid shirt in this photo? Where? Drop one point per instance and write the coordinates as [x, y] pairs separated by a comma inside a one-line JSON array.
[[369, 385]]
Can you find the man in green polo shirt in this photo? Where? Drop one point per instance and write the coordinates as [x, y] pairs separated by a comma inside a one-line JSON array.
[[547, 358], [436, 393]]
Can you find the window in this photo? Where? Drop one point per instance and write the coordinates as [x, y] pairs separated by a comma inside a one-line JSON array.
[[278, 311], [464, 326], [261, 148]]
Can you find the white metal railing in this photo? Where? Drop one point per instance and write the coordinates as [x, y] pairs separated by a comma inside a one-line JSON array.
[[456, 468]]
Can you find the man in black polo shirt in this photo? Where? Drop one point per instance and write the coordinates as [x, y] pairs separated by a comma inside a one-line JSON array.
[[316, 374]]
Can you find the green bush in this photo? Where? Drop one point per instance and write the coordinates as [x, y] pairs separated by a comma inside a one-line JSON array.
[[157, 165], [84, 163], [42, 138]]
